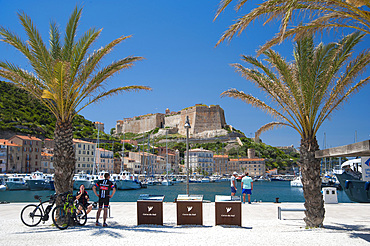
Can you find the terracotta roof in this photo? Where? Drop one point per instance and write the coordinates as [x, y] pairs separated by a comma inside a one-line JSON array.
[[46, 154], [220, 156], [26, 137], [81, 141], [7, 143]]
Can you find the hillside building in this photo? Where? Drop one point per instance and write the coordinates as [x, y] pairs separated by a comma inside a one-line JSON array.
[[221, 164], [201, 161], [26, 158], [85, 154], [254, 166]]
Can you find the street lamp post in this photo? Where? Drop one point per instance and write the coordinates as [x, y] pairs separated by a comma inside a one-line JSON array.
[[187, 126]]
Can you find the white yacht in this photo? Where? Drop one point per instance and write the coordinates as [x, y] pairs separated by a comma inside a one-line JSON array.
[[82, 179], [16, 182], [37, 181], [205, 180], [126, 181], [296, 182]]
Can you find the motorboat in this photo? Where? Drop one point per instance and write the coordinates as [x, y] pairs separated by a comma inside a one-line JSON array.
[[82, 179], [50, 179], [2, 185], [37, 181], [126, 181], [167, 182], [296, 182], [351, 181], [205, 180], [16, 182]]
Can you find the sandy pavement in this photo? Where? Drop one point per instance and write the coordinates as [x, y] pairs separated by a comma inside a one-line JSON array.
[[345, 224]]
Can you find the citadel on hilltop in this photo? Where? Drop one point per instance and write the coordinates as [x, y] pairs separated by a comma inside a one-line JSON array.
[[202, 118]]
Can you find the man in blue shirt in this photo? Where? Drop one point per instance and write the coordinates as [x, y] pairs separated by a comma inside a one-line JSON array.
[[247, 187]]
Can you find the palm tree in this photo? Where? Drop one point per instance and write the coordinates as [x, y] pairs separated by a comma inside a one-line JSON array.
[[65, 78], [324, 15], [304, 93]]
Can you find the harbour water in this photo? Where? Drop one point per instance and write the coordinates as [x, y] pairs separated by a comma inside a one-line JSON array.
[[263, 191]]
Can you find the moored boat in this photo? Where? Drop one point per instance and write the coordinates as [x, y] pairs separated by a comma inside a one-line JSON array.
[[126, 181], [296, 182], [82, 179], [16, 182], [356, 189], [37, 181]]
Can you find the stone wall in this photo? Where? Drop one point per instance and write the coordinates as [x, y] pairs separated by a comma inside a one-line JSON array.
[[141, 124], [202, 118], [172, 121]]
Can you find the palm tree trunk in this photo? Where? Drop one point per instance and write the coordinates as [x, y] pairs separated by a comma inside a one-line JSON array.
[[310, 168], [64, 157]]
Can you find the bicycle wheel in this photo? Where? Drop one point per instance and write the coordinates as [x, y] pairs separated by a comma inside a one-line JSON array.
[[31, 215], [80, 215], [60, 217]]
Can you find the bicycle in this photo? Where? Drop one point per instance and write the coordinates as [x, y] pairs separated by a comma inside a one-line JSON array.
[[71, 212], [32, 214]]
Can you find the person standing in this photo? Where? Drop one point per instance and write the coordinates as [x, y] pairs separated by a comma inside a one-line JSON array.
[[83, 198], [105, 186], [247, 187], [233, 183]]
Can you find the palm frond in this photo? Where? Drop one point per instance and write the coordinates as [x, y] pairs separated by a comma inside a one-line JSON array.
[[70, 34], [267, 127], [104, 95]]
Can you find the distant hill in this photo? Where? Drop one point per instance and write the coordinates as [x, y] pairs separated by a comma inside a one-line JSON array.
[[20, 113]]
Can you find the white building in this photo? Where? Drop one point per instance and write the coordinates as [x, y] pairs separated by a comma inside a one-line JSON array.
[[201, 161], [85, 153]]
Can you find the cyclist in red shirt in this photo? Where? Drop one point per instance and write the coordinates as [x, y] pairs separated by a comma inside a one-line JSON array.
[[105, 186]]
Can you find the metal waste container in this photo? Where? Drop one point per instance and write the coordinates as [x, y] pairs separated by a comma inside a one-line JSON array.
[[228, 210], [330, 195], [150, 209], [189, 209]]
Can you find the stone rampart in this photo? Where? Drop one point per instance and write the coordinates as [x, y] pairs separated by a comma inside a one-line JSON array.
[[202, 118]]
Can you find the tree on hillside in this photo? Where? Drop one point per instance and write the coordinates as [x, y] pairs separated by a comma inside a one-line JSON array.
[[303, 94], [322, 14], [65, 78]]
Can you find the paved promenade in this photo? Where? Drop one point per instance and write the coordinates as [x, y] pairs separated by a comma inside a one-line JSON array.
[[345, 224]]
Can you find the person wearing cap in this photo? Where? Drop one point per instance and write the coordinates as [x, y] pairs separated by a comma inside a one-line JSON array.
[[233, 183], [247, 187]]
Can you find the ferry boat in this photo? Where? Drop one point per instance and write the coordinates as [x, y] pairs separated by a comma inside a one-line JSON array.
[[126, 181], [351, 181], [37, 181], [82, 179], [16, 182]]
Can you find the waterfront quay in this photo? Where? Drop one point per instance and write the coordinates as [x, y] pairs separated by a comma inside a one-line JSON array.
[[345, 224]]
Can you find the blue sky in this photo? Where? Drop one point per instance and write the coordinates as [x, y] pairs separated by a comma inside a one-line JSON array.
[[183, 67]]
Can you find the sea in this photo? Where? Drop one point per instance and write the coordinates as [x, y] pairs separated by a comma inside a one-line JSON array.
[[262, 192]]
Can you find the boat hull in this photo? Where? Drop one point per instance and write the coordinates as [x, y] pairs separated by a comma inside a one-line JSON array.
[[87, 183], [17, 186], [38, 184], [354, 188], [127, 185]]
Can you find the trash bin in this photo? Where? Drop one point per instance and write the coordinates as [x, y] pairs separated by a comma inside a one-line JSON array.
[[150, 209], [330, 195], [228, 210], [189, 209]]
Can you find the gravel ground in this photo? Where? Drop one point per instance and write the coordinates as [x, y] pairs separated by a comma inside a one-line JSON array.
[[345, 224]]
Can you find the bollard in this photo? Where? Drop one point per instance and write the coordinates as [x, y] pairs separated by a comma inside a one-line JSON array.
[[277, 200]]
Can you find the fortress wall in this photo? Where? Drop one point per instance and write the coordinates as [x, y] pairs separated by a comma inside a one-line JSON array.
[[172, 121], [144, 124], [202, 118], [209, 118], [191, 112]]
